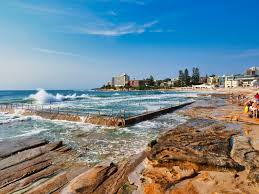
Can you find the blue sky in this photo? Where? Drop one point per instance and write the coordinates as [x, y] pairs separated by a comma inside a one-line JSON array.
[[80, 44]]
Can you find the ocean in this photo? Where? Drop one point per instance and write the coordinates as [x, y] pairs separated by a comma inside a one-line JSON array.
[[93, 143]]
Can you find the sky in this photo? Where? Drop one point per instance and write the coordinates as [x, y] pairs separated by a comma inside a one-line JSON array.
[[81, 44]]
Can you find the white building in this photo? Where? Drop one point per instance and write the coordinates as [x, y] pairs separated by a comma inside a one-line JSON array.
[[255, 83], [120, 80], [213, 81], [203, 86], [231, 82], [249, 79], [240, 81], [252, 71]]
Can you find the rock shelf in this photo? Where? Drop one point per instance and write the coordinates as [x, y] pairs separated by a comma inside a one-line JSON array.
[[33, 165], [205, 155]]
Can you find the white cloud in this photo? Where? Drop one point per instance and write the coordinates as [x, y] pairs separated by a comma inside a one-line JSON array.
[[91, 23], [116, 30], [54, 52], [42, 9]]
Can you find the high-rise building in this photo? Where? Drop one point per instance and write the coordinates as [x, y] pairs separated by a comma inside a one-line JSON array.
[[120, 80]]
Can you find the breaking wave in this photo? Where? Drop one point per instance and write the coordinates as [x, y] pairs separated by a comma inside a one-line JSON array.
[[43, 97], [14, 118]]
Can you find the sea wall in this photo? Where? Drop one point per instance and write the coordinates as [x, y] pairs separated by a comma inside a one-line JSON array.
[[7, 109], [94, 119], [152, 114]]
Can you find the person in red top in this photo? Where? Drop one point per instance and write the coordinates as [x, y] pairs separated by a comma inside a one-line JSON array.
[[257, 97]]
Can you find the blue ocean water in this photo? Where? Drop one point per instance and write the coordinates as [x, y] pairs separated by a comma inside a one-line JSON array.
[[94, 143]]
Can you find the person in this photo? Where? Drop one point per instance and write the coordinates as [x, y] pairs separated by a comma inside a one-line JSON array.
[[257, 97], [231, 96], [248, 103], [238, 99], [254, 109]]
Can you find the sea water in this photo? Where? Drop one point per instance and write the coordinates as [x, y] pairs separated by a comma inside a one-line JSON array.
[[92, 142]]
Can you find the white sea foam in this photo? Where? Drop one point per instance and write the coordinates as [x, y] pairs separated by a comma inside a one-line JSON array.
[[42, 97], [13, 119], [145, 97], [116, 94], [34, 131], [103, 144]]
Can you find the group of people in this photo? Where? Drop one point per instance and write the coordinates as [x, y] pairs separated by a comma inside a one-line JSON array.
[[252, 106]]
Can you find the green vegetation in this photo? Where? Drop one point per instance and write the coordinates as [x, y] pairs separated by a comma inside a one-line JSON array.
[[195, 76], [186, 80], [108, 87]]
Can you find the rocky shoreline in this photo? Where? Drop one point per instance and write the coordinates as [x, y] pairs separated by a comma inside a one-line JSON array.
[[210, 153]]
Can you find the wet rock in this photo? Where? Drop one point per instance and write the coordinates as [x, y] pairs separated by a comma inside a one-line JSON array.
[[12, 146], [28, 154]]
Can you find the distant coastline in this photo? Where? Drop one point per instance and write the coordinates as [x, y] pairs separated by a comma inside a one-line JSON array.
[[190, 89]]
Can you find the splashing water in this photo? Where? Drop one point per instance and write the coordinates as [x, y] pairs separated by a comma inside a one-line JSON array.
[[43, 97], [94, 143]]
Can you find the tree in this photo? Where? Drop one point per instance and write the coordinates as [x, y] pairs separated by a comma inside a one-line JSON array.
[[167, 80], [187, 78], [195, 76], [181, 78], [151, 80], [177, 83]]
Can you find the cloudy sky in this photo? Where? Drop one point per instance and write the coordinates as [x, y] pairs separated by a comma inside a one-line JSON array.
[[79, 44]]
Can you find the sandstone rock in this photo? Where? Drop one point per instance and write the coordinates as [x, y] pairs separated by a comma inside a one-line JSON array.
[[120, 177], [88, 181], [50, 185], [12, 146], [255, 143], [240, 147], [244, 153], [36, 166], [213, 182], [28, 154], [153, 188], [201, 157], [135, 177], [26, 182], [196, 143]]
